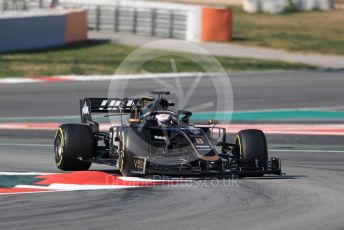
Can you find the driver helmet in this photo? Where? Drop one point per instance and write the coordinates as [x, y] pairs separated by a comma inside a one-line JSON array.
[[163, 119]]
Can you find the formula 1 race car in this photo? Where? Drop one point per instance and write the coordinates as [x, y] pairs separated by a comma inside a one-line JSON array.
[[158, 140]]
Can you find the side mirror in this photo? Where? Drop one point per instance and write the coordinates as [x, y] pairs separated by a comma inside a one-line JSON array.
[[213, 122]]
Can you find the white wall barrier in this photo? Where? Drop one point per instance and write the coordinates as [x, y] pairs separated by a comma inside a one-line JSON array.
[[166, 20], [40, 29], [278, 6]]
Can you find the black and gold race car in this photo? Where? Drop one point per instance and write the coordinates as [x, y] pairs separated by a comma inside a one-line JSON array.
[[158, 140]]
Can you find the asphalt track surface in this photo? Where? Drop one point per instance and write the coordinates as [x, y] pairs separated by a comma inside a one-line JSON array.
[[252, 91], [310, 196]]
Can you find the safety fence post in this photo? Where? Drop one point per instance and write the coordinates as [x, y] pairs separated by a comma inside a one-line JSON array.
[[135, 21], [116, 18], [171, 28], [98, 17], [153, 21]]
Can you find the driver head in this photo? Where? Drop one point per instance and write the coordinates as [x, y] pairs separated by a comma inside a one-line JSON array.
[[164, 119]]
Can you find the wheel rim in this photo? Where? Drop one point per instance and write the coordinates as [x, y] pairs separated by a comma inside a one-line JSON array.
[[237, 148], [58, 149]]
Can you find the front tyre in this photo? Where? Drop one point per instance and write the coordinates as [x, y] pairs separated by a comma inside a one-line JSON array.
[[73, 141], [252, 148]]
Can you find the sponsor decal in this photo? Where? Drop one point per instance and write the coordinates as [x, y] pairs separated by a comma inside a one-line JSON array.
[[116, 104], [196, 132], [85, 109], [160, 138], [199, 140], [139, 164]]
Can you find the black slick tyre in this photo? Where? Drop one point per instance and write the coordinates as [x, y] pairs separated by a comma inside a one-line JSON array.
[[72, 142], [252, 148]]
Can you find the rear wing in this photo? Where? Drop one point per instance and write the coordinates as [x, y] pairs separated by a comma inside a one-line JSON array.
[[110, 105]]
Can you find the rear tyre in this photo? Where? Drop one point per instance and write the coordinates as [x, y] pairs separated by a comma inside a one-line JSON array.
[[252, 148], [73, 141]]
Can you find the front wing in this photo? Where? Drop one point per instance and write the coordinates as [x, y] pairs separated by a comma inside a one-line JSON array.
[[144, 167]]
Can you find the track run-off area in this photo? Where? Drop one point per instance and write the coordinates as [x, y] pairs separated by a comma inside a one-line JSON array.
[[301, 112]]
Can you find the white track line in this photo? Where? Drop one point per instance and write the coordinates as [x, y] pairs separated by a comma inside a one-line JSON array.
[[19, 80], [133, 76], [86, 78], [34, 145], [20, 193], [75, 187], [25, 173], [307, 150], [138, 179]]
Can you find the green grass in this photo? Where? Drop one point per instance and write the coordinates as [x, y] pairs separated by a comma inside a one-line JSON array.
[[103, 58], [311, 32]]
